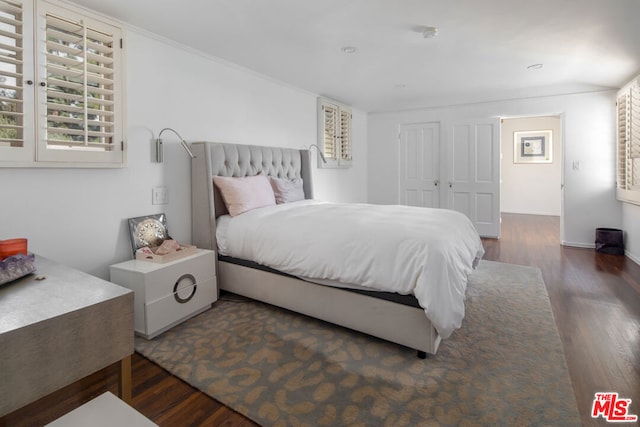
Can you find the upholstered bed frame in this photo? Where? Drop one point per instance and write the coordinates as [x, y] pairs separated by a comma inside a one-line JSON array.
[[399, 323]]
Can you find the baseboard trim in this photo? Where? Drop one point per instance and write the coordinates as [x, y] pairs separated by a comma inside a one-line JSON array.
[[592, 246], [531, 213], [578, 245], [632, 257]]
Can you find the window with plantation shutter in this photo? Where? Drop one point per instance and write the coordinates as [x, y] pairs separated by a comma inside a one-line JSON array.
[[73, 94], [334, 134], [628, 143]]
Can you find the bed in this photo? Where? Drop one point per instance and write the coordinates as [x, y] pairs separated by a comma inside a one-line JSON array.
[[395, 316]]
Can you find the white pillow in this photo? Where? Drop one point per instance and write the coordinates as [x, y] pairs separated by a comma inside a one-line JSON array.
[[244, 194], [287, 190]]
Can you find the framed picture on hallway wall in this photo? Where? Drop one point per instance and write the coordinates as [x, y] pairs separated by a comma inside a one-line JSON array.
[[534, 146]]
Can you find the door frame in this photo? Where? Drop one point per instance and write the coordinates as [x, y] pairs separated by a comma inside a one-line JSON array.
[[560, 158]]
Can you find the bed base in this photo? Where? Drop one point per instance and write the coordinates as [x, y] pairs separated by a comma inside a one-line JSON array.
[[398, 323]]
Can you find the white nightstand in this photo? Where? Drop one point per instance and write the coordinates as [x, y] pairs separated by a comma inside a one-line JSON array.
[[168, 293]]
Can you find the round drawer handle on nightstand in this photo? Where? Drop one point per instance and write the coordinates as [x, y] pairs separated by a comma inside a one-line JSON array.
[[192, 281]]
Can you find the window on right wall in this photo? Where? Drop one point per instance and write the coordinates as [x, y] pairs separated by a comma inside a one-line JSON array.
[[334, 134], [628, 143]]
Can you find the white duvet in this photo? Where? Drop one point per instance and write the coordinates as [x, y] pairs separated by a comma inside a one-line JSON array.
[[408, 250]]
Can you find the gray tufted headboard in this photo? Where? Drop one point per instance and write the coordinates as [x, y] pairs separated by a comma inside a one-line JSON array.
[[220, 159]]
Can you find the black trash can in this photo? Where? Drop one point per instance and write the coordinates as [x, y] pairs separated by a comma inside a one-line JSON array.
[[609, 241]]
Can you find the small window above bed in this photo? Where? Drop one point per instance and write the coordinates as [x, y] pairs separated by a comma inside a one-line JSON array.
[[334, 134]]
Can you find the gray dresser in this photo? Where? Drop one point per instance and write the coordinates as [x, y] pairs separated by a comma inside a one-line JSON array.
[[59, 329]]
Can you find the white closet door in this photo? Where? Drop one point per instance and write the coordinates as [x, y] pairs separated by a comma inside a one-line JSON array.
[[473, 159], [420, 165]]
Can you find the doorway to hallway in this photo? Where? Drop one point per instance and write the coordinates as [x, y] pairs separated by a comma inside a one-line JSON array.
[[531, 181]]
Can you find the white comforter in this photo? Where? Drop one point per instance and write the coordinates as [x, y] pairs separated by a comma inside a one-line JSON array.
[[427, 252]]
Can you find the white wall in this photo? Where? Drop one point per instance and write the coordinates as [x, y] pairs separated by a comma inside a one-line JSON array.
[[78, 216], [588, 135], [531, 188]]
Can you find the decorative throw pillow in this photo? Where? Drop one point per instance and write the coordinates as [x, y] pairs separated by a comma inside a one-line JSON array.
[[244, 194], [287, 190]]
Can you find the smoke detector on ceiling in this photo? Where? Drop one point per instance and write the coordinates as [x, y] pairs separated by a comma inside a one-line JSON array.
[[429, 32]]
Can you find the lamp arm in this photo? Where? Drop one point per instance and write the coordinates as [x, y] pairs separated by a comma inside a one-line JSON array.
[[319, 152], [182, 141]]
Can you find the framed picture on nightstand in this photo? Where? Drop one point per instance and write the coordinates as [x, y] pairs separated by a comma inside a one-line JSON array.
[[148, 230]]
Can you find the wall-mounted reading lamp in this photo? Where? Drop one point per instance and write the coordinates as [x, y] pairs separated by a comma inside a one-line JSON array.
[[160, 149], [319, 152]]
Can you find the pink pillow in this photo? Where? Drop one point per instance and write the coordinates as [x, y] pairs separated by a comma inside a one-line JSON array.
[[243, 194]]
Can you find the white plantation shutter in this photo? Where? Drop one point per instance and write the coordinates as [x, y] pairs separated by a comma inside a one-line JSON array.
[[11, 69], [622, 155], [329, 136], [628, 143], [79, 117], [633, 175], [16, 109], [334, 134], [345, 137]]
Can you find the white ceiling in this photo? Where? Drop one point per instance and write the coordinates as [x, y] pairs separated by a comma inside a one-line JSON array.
[[481, 53]]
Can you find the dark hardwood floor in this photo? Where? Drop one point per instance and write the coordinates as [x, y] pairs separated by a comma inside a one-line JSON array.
[[596, 303], [595, 300]]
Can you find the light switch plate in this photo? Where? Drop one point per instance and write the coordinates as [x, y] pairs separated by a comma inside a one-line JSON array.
[[160, 196]]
